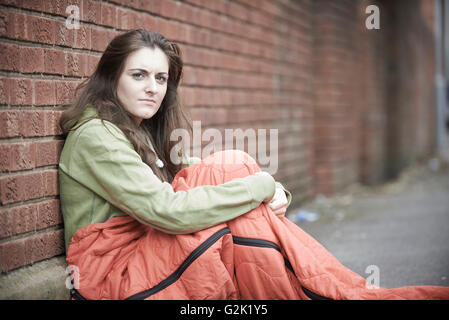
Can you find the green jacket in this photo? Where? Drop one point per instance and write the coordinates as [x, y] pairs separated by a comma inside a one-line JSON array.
[[102, 176]]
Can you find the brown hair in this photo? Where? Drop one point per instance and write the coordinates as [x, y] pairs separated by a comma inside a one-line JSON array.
[[99, 91]]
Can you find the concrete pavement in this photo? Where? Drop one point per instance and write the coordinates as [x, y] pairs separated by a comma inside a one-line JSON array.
[[400, 228]]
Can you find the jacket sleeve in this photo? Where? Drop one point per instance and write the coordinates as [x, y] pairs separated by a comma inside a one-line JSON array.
[[189, 161], [104, 161]]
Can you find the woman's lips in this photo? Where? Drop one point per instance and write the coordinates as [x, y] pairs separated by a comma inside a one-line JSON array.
[[148, 101]]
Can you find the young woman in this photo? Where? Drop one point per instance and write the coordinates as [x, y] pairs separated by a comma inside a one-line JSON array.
[[116, 158], [138, 225]]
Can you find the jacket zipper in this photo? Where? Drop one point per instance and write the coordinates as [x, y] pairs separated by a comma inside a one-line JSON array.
[[269, 244]]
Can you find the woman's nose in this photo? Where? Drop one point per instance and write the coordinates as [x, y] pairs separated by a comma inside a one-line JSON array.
[[150, 86]]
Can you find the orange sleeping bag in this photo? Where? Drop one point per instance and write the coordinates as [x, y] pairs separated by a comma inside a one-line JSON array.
[[255, 256]]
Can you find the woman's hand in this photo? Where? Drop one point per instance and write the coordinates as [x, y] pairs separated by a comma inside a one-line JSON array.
[[279, 202]]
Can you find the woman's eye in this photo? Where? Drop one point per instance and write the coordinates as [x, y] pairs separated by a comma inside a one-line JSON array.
[[163, 79], [137, 75]]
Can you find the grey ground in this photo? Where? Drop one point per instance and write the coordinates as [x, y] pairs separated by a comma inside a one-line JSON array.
[[401, 227]]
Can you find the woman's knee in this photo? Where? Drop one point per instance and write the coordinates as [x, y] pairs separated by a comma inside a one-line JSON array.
[[232, 160]]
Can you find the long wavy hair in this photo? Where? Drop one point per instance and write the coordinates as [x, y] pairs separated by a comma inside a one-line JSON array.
[[100, 91]]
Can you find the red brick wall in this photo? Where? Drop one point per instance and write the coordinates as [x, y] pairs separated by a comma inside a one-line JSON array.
[[307, 68], [410, 82], [336, 114]]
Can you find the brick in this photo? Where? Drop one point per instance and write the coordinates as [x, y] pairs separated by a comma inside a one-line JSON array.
[[44, 245], [41, 30], [53, 123], [100, 38], [169, 9], [10, 60], [65, 91], [35, 5], [17, 156], [48, 152], [54, 61], [91, 11], [33, 124], [29, 218], [92, 62], [32, 185], [136, 20], [4, 90], [21, 92], [4, 22], [24, 219], [35, 248], [57, 6], [50, 181], [64, 36], [124, 20], [108, 14], [40, 123], [82, 37], [5, 159], [12, 255], [31, 60], [49, 214], [76, 64], [6, 223], [9, 124], [169, 28], [55, 243], [44, 92], [18, 27]]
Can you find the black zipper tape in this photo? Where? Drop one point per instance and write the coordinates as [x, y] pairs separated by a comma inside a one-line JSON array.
[[178, 272], [269, 244], [251, 242], [76, 295], [313, 295]]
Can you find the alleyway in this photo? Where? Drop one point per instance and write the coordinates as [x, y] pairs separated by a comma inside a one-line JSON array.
[[402, 228]]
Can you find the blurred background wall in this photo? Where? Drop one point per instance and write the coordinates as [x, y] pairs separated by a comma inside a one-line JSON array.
[[352, 105]]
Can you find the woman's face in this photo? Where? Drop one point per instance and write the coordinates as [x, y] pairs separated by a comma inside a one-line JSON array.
[[143, 83]]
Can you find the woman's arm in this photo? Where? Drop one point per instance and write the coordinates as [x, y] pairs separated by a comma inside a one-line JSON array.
[[103, 160], [189, 161]]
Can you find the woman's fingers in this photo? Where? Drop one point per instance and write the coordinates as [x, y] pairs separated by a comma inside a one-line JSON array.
[[279, 199], [277, 205], [280, 212], [279, 202]]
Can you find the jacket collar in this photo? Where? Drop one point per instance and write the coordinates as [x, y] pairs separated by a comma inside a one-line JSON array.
[[88, 114]]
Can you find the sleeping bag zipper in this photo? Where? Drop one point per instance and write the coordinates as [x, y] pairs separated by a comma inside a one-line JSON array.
[[252, 242], [261, 244], [178, 272]]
